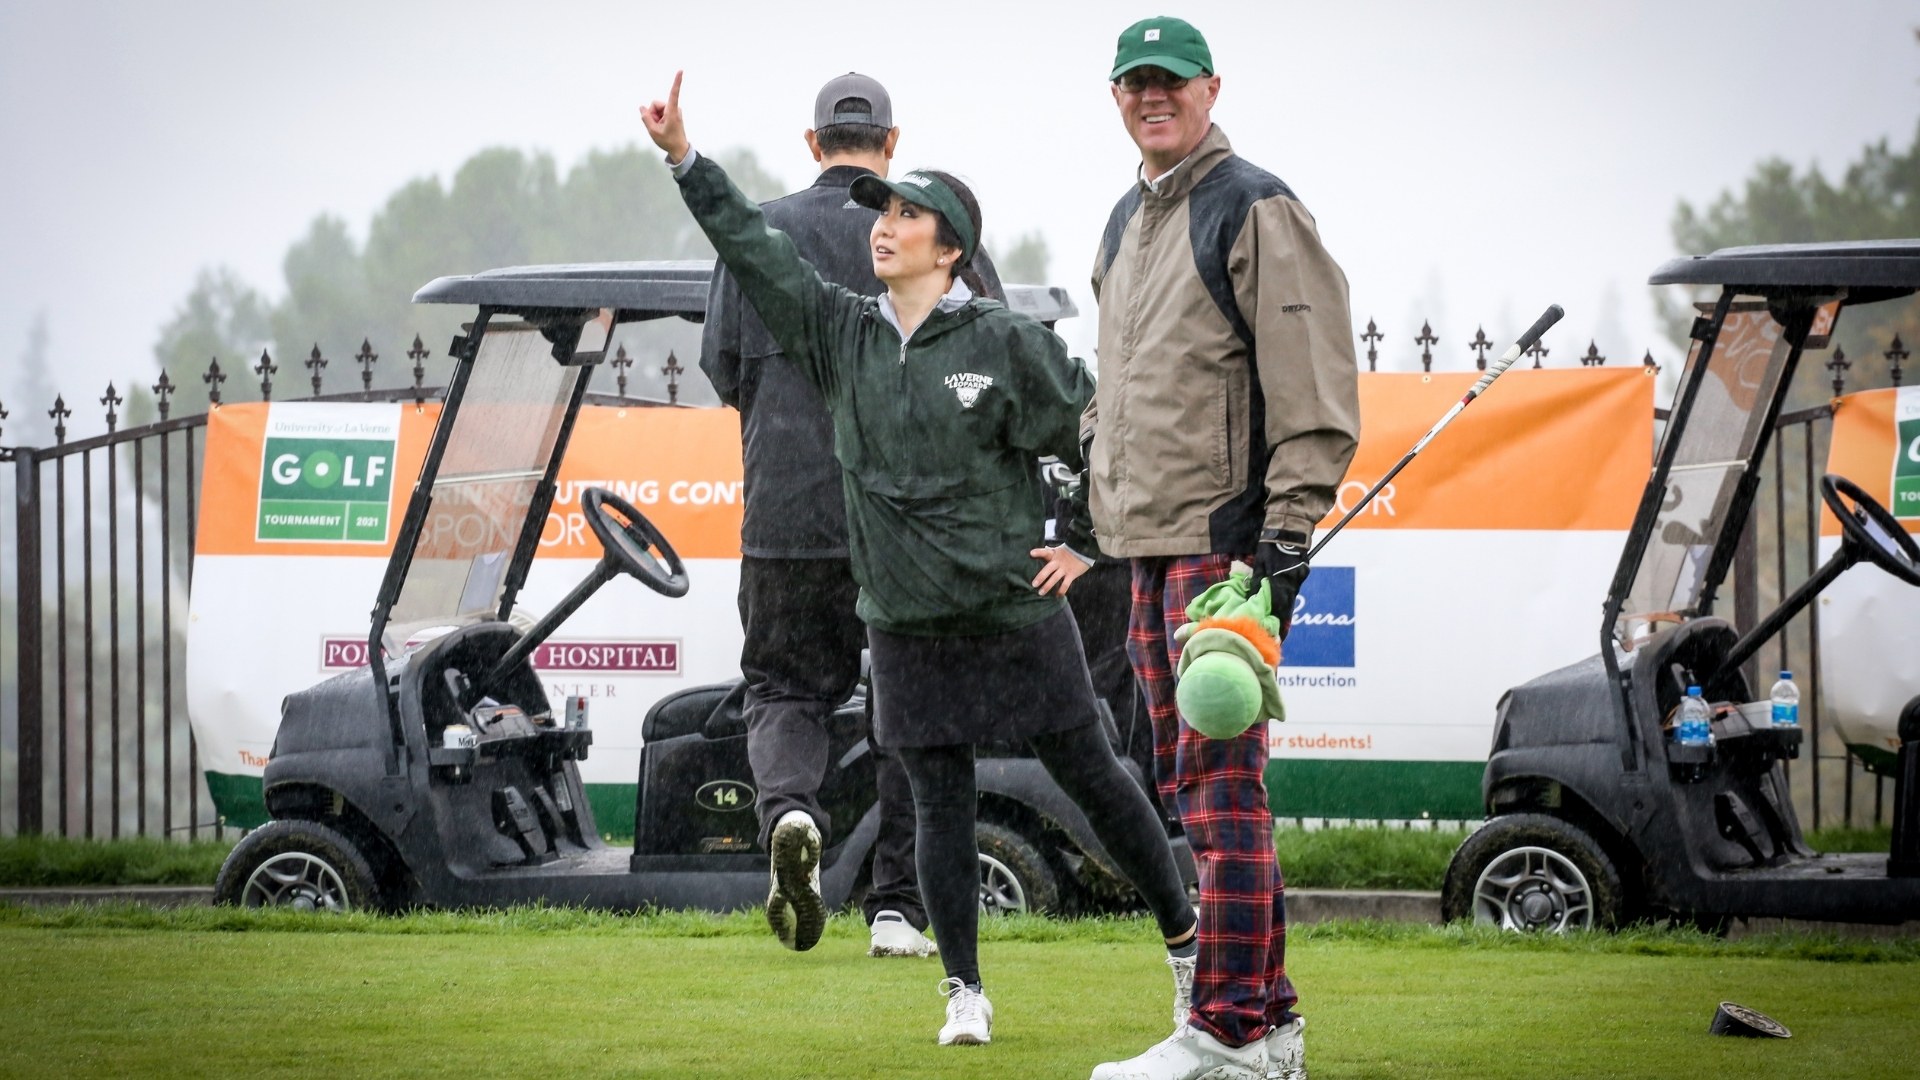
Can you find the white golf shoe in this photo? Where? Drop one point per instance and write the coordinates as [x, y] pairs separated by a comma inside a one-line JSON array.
[[969, 1015], [795, 911], [1287, 1051], [893, 935], [1182, 988], [1190, 1054]]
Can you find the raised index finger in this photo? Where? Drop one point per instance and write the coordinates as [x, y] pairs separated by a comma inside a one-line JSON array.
[[673, 95]]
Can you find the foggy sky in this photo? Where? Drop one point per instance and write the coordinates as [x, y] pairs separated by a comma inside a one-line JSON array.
[[1467, 163]]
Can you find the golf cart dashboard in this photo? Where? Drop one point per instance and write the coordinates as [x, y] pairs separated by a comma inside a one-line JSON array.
[[471, 715]]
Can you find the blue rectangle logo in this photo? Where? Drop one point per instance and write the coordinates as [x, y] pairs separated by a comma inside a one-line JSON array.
[[1322, 634]]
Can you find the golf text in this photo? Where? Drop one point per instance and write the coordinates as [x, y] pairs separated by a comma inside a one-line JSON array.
[[324, 479]]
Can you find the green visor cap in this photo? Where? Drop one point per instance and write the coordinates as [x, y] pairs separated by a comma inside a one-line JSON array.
[[920, 189], [1163, 42]]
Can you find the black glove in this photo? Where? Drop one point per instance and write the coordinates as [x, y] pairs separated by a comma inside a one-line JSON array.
[[1281, 558]]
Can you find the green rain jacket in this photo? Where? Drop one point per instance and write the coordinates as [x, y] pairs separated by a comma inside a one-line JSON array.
[[936, 434]]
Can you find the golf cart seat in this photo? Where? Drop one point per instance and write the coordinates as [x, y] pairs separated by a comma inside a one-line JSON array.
[[689, 711]]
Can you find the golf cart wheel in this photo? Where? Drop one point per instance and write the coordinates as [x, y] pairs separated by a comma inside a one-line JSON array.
[[297, 864], [1532, 873], [1014, 876]]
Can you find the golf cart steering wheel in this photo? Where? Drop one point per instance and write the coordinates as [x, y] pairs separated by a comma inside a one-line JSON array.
[[1871, 530], [630, 545]]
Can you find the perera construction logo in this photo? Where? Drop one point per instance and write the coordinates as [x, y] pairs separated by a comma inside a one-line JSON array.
[[1323, 619], [967, 386], [326, 472]]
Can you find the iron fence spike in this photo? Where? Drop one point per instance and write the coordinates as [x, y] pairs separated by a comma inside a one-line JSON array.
[[59, 413], [1427, 341], [266, 369], [621, 362], [112, 400], [1372, 337], [1480, 344], [1839, 365], [673, 371], [1896, 356], [418, 354], [365, 358], [213, 378], [316, 364], [163, 391]]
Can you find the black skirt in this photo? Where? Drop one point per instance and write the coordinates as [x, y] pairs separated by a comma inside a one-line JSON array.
[[940, 691]]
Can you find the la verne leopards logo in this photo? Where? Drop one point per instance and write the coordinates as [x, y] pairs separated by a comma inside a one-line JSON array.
[[326, 472], [967, 386]]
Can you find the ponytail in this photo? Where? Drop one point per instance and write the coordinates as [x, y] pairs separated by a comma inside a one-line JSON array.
[[950, 237]]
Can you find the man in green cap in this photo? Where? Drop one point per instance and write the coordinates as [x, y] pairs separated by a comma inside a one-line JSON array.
[[1226, 414]]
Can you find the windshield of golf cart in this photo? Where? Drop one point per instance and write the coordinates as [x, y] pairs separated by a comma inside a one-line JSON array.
[[1712, 444], [497, 450]]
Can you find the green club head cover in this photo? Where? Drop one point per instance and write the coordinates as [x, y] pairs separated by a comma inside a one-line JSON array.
[[1224, 685], [1218, 695]]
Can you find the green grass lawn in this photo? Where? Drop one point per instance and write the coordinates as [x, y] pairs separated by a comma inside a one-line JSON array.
[[533, 992]]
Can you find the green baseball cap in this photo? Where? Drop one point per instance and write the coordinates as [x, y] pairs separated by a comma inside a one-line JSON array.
[[920, 189], [1163, 42]]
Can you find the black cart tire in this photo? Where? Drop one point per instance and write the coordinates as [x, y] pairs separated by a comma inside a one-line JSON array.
[[1014, 876], [1533, 873], [297, 864]]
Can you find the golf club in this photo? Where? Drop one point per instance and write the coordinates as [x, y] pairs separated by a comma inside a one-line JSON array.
[[1540, 326]]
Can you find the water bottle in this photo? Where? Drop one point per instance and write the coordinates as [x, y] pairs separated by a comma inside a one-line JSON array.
[[1695, 728], [1786, 702]]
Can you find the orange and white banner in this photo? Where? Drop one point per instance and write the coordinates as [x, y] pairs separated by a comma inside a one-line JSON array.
[[1870, 620], [1481, 566]]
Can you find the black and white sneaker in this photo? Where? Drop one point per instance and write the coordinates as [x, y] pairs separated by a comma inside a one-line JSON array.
[[795, 911]]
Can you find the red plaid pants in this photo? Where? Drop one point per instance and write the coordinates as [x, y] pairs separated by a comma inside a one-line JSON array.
[[1219, 789]]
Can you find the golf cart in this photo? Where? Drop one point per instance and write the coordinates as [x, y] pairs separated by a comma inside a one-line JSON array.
[[1596, 816], [441, 775]]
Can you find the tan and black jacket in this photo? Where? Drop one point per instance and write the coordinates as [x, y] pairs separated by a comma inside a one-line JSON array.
[[1228, 391]]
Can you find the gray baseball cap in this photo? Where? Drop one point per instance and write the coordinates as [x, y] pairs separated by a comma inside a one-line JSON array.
[[878, 110]]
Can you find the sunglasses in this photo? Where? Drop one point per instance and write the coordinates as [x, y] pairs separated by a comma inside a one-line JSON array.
[[1139, 79]]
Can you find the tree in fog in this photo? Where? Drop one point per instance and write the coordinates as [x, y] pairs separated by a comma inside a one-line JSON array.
[[503, 207], [1025, 263], [1877, 197]]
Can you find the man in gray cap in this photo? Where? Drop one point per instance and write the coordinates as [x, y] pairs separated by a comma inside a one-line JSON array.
[[801, 657]]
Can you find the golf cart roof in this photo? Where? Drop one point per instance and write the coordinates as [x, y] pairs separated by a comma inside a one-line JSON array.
[[647, 290], [678, 287], [1859, 264]]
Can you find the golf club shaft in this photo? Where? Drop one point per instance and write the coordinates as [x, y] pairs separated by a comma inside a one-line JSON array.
[[1495, 370]]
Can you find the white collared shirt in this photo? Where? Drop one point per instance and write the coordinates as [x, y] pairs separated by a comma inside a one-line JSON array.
[[1153, 183]]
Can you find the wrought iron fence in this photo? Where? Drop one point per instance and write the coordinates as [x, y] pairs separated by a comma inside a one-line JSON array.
[[95, 589]]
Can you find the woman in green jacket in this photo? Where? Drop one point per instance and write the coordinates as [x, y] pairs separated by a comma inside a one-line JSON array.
[[941, 402]]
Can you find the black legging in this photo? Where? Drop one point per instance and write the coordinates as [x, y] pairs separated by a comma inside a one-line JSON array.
[[1082, 763]]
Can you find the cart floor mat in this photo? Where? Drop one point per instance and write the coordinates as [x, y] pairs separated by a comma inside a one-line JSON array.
[[795, 911]]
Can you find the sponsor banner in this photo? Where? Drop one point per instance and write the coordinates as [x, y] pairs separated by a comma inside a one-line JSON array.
[[1869, 620], [1481, 566]]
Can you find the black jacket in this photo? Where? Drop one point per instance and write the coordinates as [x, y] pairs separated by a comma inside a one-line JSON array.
[[794, 508]]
